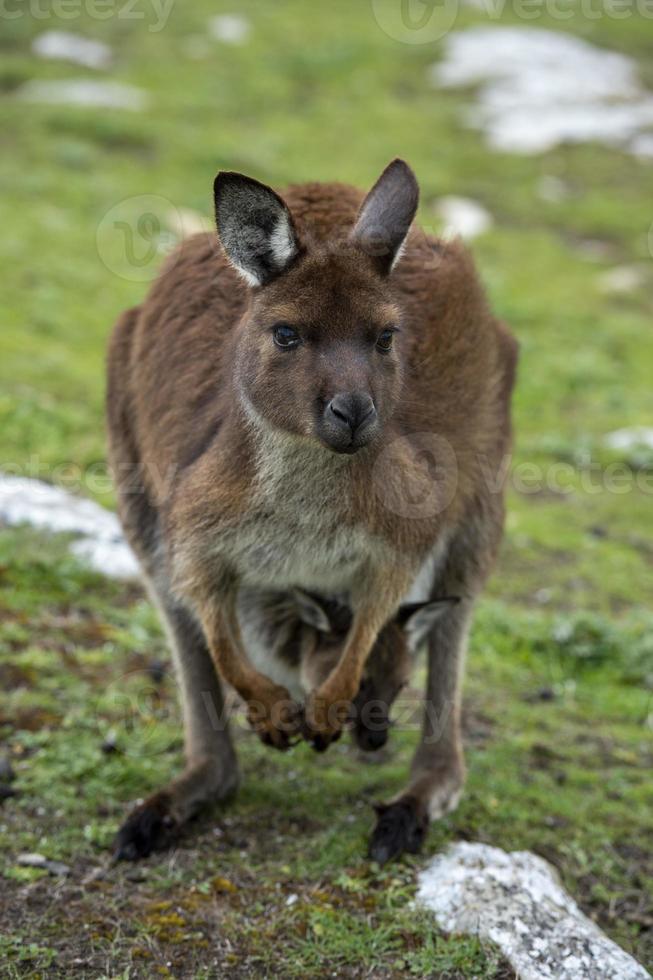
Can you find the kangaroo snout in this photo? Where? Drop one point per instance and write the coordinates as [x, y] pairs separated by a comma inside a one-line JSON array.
[[348, 422]]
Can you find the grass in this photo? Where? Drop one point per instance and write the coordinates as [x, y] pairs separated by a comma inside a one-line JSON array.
[[559, 703]]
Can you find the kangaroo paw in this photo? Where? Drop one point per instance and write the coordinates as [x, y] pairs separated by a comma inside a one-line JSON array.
[[278, 725], [324, 720], [150, 827], [400, 827]]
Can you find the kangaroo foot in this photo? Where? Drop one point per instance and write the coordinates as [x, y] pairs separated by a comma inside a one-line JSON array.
[[150, 827], [400, 827]]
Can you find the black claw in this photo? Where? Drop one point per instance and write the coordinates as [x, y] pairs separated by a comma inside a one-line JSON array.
[[322, 742], [149, 828], [400, 827]]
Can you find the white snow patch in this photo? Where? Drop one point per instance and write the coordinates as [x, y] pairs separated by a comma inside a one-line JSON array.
[[464, 217], [85, 92], [642, 146], [72, 47], [622, 279], [516, 901], [540, 88], [552, 189], [229, 28], [100, 543], [637, 437]]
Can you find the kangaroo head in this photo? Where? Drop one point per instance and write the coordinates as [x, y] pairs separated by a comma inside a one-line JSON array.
[[319, 351], [388, 667]]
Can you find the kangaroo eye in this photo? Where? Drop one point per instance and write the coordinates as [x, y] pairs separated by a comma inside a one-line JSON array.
[[285, 336], [384, 341]]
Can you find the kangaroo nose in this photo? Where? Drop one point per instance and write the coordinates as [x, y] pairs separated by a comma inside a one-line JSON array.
[[348, 422], [351, 410]]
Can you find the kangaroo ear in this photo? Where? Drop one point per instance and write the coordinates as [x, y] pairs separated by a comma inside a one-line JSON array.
[[255, 227], [311, 611], [418, 618], [386, 215]]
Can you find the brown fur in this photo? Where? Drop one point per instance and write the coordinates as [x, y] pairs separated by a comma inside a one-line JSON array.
[[222, 480]]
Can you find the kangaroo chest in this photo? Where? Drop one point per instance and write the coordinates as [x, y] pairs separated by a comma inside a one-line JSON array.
[[297, 530]]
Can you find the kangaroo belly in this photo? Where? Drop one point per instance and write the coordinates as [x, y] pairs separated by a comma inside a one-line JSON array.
[[268, 552]]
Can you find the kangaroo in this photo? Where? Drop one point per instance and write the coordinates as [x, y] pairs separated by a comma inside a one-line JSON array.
[[297, 638], [321, 401]]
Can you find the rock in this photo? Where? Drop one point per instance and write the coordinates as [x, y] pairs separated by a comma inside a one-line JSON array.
[[542, 694], [229, 28], [95, 874], [110, 744], [157, 670], [540, 88], [516, 901], [464, 217], [39, 861], [72, 47], [85, 92]]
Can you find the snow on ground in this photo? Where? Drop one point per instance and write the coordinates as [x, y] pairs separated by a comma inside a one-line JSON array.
[[99, 539], [464, 217], [540, 88], [516, 901], [84, 92], [229, 28], [63, 46], [639, 437]]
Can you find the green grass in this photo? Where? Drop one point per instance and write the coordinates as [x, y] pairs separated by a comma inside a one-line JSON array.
[[566, 776], [320, 92]]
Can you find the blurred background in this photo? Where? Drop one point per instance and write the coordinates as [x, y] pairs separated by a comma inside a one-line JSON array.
[[529, 125]]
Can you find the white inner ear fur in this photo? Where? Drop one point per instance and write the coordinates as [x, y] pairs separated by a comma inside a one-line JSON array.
[[400, 251], [248, 276], [420, 623], [311, 612], [282, 242]]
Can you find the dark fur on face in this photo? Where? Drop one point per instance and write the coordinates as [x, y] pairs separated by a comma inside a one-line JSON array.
[[338, 308]]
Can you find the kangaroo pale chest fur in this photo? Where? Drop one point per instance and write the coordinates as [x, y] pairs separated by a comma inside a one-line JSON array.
[[297, 529]]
